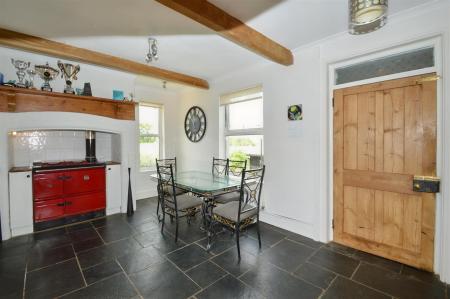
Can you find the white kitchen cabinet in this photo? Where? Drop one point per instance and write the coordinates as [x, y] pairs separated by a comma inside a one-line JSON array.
[[113, 189], [21, 202]]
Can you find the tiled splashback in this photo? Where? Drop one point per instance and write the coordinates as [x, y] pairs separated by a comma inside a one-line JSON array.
[[32, 146]]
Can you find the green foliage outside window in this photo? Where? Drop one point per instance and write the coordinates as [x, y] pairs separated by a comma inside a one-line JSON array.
[[239, 156], [147, 156]]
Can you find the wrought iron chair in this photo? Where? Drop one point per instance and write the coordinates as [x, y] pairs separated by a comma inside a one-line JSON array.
[[167, 162], [176, 206], [237, 215], [220, 167], [234, 168]]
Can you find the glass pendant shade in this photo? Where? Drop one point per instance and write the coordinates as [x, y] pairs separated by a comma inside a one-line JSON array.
[[367, 15]]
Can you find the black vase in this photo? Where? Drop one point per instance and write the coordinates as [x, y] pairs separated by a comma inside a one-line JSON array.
[[130, 210]]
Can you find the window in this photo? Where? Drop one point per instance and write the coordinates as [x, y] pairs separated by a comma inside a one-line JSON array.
[[149, 136], [244, 126]]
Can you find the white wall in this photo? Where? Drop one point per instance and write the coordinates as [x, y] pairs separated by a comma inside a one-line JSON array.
[[297, 186]]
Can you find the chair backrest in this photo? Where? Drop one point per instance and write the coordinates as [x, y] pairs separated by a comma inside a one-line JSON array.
[[167, 162], [251, 187], [220, 167], [236, 167], [165, 183]]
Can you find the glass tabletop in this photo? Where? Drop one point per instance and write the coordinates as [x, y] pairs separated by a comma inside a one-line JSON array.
[[204, 182]]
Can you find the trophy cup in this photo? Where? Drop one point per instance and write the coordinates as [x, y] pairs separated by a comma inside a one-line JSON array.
[[31, 73], [21, 66], [69, 72], [47, 73]]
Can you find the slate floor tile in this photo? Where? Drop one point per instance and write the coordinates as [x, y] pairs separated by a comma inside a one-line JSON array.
[[377, 261], [287, 255], [116, 286], [101, 271], [229, 288], [188, 257], [348, 289], [12, 272], [165, 243], [53, 241], [221, 242], [315, 275], [334, 261], [229, 261], [164, 281], [95, 256], [42, 257], [145, 227], [396, 284], [304, 240], [18, 246], [139, 260], [139, 217], [110, 221], [187, 232], [418, 274], [340, 248], [275, 283], [206, 273], [115, 233], [123, 247], [268, 235], [53, 281], [80, 226], [83, 235], [87, 244]]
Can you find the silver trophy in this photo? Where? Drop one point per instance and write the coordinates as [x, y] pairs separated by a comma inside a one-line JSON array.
[[47, 73], [69, 72], [31, 73], [21, 67]]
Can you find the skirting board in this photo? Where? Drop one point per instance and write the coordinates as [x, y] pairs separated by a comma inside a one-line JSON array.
[[289, 224]]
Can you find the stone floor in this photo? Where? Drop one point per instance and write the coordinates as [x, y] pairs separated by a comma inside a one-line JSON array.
[[120, 257]]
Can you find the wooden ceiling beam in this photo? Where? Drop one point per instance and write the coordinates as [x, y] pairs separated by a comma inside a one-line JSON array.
[[44, 46], [231, 28]]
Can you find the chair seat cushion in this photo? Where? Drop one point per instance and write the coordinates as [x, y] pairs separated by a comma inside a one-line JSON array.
[[185, 202], [227, 197], [230, 211]]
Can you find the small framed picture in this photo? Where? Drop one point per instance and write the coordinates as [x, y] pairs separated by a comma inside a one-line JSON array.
[[295, 112]]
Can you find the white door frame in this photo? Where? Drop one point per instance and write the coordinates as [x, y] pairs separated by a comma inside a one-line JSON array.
[[443, 144]]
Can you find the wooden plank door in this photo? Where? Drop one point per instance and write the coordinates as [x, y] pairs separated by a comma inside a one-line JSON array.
[[384, 134]]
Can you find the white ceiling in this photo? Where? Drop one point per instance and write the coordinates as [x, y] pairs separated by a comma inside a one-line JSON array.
[[121, 28]]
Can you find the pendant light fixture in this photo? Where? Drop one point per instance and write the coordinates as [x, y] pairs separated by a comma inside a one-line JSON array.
[[367, 15]]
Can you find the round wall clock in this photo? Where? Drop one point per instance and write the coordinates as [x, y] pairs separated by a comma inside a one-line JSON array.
[[195, 124]]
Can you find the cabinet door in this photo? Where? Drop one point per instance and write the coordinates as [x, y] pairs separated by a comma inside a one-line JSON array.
[[113, 189], [84, 180], [85, 203], [48, 209], [21, 203], [48, 185]]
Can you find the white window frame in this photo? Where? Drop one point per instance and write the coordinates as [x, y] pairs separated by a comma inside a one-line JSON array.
[[160, 134], [242, 132]]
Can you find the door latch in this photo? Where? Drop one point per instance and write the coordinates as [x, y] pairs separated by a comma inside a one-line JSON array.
[[428, 184]]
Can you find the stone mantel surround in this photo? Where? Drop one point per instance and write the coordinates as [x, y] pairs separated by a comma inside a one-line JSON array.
[[10, 122]]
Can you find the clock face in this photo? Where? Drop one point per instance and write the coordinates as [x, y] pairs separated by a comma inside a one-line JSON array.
[[195, 124]]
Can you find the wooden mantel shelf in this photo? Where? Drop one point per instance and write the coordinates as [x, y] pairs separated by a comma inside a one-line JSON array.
[[29, 100]]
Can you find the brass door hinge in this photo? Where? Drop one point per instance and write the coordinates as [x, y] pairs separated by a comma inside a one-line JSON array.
[[428, 79], [332, 223]]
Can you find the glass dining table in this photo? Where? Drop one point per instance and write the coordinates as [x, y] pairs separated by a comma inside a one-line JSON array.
[[207, 186], [204, 184]]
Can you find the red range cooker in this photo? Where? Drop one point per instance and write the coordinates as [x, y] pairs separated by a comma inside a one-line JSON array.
[[67, 188]]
